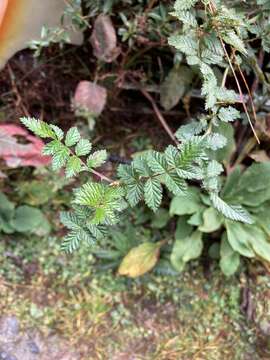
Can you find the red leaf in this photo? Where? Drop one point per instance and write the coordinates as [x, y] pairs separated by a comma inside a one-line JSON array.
[[17, 154]]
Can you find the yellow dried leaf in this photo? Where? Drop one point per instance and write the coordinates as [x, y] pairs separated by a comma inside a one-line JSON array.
[[22, 20], [140, 259]]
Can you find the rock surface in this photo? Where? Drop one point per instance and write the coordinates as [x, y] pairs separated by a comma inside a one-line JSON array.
[[31, 345]]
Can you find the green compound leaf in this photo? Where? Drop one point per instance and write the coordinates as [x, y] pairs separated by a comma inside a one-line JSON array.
[[228, 114], [153, 193], [38, 127], [73, 166], [233, 212], [83, 147], [72, 136], [97, 159]]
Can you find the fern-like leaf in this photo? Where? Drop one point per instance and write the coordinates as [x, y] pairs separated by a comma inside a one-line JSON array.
[[233, 212], [153, 193]]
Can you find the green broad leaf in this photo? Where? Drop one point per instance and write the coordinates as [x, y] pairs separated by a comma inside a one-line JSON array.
[[160, 219], [125, 241], [72, 137], [108, 254], [36, 192], [239, 237], [214, 251], [261, 244], [140, 260], [83, 147], [27, 219], [186, 249], [188, 204], [212, 221], [43, 229], [229, 259], [183, 229], [175, 86], [73, 166], [228, 114], [231, 184], [153, 193], [38, 127], [6, 208], [164, 268], [254, 199], [256, 177], [263, 218], [97, 159], [197, 218], [252, 237], [6, 227], [233, 212]]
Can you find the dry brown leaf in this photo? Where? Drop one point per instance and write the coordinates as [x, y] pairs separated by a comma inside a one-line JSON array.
[[104, 40], [91, 97], [260, 156]]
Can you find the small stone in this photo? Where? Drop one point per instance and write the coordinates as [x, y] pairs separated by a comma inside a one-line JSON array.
[[9, 328], [5, 356], [34, 349], [265, 327]]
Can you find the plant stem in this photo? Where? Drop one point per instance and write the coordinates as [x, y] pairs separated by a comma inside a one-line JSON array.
[[160, 116]]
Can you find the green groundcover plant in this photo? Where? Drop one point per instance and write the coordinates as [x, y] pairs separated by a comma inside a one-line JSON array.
[[214, 39]]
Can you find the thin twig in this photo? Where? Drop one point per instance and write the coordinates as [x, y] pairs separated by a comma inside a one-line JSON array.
[[225, 76], [249, 92], [101, 176], [159, 115], [239, 88], [212, 9], [97, 173]]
